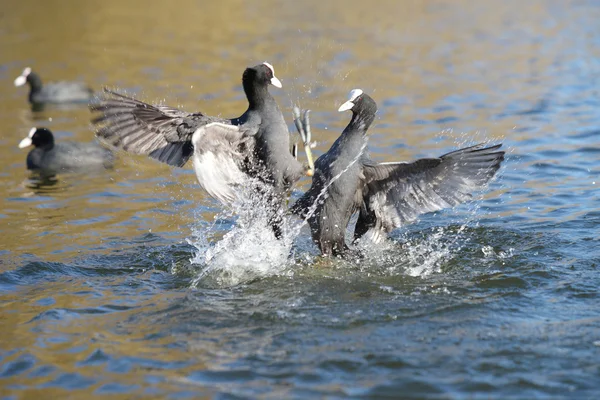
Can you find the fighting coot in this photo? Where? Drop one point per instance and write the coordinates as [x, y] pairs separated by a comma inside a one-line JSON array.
[[386, 195], [226, 152]]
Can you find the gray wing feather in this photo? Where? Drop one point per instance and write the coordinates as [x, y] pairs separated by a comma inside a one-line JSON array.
[[399, 192], [161, 132], [220, 153]]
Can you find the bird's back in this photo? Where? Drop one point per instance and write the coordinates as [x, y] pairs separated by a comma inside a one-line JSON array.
[[335, 192], [63, 92], [70, 156]]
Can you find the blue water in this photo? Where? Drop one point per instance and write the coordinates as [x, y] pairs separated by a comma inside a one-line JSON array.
[[133, 283]]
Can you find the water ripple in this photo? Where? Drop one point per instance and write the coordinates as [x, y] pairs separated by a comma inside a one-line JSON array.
[[133, 283]]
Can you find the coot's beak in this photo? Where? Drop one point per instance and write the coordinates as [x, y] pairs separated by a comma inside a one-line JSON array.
[[346, 106], [276, 82], [21, 80], [25, 143], [354, 94]]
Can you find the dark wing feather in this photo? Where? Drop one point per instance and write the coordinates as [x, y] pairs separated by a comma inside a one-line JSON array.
[[399, 192], [161, 132]]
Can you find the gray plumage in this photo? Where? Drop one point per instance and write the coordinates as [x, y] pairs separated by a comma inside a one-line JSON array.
[[160, 132], [57, 92], [51, 158], [227, 152], [386, 195], [259, 138]]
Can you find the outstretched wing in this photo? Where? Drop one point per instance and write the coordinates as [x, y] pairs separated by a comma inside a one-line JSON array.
[[399, 192], [172, 136], [161, 132], [221, 152]]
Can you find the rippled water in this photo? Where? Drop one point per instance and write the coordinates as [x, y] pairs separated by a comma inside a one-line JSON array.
[[134, 283]]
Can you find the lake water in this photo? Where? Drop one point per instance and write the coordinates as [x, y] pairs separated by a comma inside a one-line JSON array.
[[133, 283]]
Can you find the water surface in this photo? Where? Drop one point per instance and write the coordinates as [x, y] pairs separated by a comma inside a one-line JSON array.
[[107, 285]]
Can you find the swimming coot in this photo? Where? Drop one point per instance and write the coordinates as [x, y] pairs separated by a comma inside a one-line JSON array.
[[57, 92], [386, 195], [51, 158]]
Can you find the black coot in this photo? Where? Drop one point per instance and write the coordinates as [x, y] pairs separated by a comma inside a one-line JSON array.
[[386, 195], [226, 152], [50, 158], [57, 92]]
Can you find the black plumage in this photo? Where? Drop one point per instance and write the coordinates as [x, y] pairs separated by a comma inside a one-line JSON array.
[[386, 195], [226, 152], [50, 158], [56, 92]]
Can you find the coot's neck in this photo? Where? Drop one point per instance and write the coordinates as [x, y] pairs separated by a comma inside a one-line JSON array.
[[360, 122], [35, 82], [258, 94]]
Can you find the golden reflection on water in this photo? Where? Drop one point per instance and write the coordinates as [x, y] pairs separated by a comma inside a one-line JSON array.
[[421, 60]]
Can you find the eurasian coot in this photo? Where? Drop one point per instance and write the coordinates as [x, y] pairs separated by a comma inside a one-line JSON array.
[[57, 92], [51, 158], [386, 195], [226, 152]]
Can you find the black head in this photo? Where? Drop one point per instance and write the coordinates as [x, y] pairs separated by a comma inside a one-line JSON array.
[[261, 74], [359, 103], [38, 137]]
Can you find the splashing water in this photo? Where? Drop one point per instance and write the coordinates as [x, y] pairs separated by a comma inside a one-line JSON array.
[[431, 250], [251, 250], [424, 257]]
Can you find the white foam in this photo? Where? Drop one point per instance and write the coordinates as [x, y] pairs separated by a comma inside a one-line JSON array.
[[249, 250]]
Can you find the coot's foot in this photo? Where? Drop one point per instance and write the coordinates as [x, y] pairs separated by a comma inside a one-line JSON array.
[[302, 122]]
